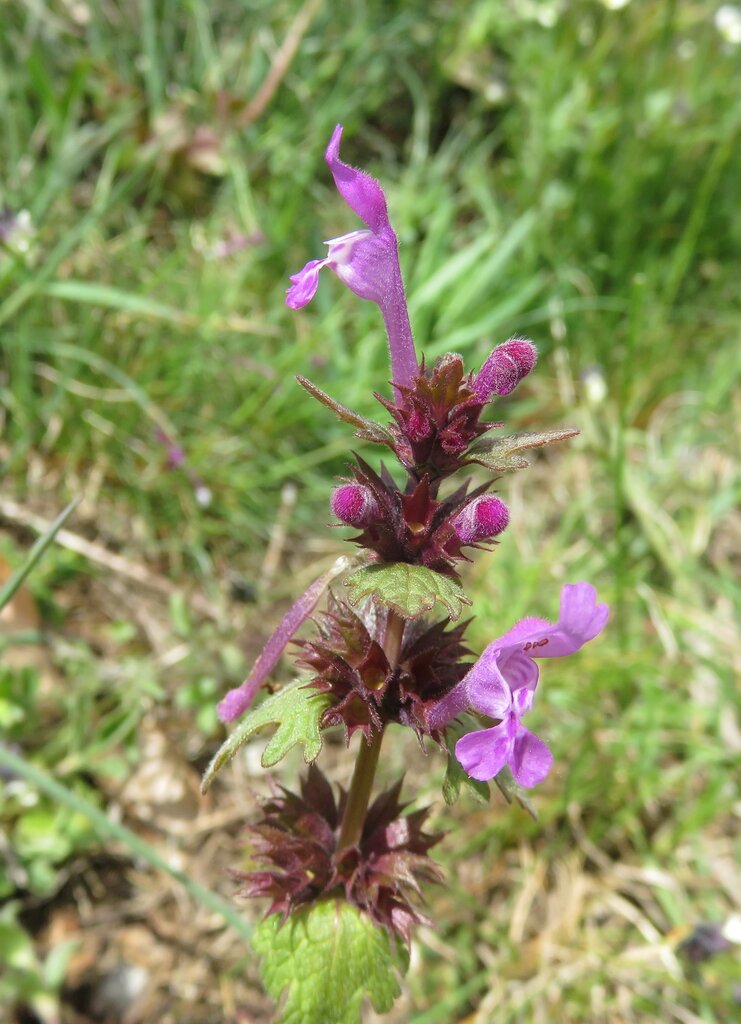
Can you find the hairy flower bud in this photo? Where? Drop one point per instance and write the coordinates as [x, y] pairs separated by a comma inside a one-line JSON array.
[[354, 504], [505, 368], [482, 518]]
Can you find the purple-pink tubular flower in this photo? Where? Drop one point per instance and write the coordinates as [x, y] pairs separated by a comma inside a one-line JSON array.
[[354, 504], [366, 260], [505, 368], [502, 684], [482, 518], [239, 700]]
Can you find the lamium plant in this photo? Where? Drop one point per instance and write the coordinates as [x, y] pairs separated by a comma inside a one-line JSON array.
[[342, 872]]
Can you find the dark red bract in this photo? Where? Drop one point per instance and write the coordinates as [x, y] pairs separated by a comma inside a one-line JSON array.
[[296, 848], [351, 665]]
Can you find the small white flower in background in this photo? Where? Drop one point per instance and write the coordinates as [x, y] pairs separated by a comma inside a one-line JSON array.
[[732, 929], [615, 5], [728, 22], [204, 496], [16, 231], [595, 385]]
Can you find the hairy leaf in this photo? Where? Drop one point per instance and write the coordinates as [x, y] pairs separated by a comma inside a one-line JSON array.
[[296, 710], [455, 774], [501, 454], [326, 960], [411, 590], [368, 430]]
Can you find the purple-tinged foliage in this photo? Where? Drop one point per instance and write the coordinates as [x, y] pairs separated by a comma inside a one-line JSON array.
[[367, 261], [414, 527], [436, 419], [384, 663], [501, 684], [368, 693], [297, 850]]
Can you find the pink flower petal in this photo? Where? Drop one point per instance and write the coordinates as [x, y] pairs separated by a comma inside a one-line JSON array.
[[489, 693], [485, 752], [531, 759], [366, 261], [518, 669], [304, 284]]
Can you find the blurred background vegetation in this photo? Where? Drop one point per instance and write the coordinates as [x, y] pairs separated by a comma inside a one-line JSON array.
[[565, 170]]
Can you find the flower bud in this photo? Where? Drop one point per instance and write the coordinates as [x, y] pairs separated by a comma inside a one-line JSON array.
[[505, 368], [354, 504], [481, 519]]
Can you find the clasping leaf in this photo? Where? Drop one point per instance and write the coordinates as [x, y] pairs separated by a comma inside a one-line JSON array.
[[325, 960], [501, 454], [296, 710], [411, 590]]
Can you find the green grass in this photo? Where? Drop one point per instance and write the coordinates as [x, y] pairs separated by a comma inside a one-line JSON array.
[[565, 171]]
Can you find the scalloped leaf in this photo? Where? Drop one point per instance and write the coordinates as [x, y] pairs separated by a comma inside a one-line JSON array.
[[411, 590], [455, 774], [296, 710], [368, 430], [502, 454], [325, 960]]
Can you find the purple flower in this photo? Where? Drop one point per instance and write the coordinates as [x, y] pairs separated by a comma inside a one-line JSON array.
[[502, 685], [239, 699], [366, 260]]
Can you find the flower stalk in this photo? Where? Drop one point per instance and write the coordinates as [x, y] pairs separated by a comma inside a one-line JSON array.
[[361, 786], [380, 654], [367, 761]]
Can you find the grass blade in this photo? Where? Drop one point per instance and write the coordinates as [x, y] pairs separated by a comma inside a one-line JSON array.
[[8, 590], [108, 297], [107, 829]]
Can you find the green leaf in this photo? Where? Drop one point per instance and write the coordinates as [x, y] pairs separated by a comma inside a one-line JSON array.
[[326, 960], [368, 430], [411, 590], [296, 711], [513, 790], [455, 774], [502, 454]]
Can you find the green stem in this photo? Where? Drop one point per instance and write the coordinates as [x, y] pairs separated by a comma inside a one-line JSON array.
[[367, 762], [360, 791]]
